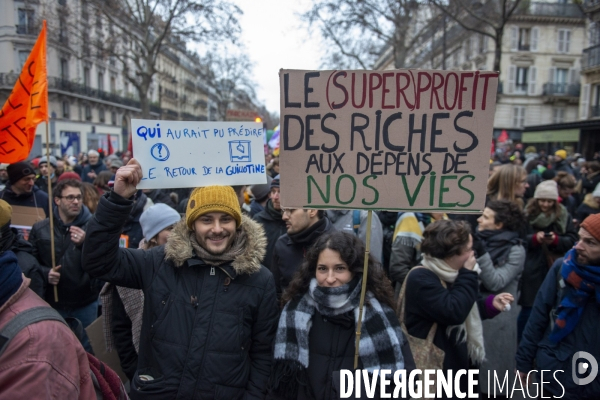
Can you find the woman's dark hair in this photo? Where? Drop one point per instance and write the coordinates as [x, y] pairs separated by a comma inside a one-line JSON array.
[[445, 238], [352, 252], [533, 209], [593, 166], [91, 197], [102, 180], [508, 213]]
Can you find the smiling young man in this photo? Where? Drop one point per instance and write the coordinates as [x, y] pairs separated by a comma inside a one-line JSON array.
[[569, 302], [210, 308], [21, 189]]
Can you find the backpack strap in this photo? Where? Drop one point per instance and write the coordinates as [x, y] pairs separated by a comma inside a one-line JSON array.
[[356, 221], [25, 318]]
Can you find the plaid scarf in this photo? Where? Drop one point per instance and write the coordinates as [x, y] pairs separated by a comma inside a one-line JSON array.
[[380, 341], [583, 281]]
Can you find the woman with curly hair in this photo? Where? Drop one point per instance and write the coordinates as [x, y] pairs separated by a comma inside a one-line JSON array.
[[501, 257], [316, 333], [551, 235]]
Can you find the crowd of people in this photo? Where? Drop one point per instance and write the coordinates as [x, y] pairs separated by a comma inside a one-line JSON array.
[[222, 293]]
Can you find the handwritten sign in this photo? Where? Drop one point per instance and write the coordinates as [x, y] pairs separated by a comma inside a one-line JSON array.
[[393, 140], [176, 154]]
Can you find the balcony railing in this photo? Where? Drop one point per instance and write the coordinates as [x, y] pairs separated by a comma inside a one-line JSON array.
[[561, 89], [521, 88], [596, 111], [524, 47], [550, 10], [591, 57]]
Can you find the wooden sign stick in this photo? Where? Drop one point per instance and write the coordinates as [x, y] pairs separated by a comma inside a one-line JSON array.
[[363, 291], [50, 209]]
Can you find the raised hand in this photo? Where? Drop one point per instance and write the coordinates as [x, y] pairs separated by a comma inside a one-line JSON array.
[[127, 179]]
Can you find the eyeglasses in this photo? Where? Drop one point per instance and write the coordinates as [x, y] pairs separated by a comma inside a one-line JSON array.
[[70, 198]]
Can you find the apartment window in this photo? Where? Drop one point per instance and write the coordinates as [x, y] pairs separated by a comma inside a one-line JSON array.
[[101, 114], [560, 80], [64, 69], [524, 39], [62, 31], [113, 118], [519, 116], [558, 115], [468, 49], [126, 88], [22, 58], [26, 25], [88, 113], [66, 107], [84, 10], [113, 84], [564, 40], [62, 2], [521, 80], [86, 77], [594, 33], [100, 81]]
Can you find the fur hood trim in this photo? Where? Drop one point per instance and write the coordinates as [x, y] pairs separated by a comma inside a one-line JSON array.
[[179, 249], [589, 201]]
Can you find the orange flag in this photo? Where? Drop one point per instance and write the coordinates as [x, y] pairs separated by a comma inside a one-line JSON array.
[[26, 106]]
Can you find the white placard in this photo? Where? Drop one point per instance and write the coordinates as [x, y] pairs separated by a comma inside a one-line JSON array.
[[176, 154]]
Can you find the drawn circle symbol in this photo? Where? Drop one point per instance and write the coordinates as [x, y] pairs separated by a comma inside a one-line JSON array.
[[160, 152]]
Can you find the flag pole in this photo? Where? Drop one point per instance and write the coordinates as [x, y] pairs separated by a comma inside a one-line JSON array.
[[363, 289]]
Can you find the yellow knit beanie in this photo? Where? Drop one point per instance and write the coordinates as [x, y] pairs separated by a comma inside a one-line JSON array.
[[5, 212], [204, 200]]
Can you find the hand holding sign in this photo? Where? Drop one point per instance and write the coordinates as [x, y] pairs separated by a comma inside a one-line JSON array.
[[127, 178]]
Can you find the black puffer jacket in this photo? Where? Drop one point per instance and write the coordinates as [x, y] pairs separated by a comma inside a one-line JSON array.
[[75, 287], [274, 227], [289, 252], [207, 331], [536, 351]]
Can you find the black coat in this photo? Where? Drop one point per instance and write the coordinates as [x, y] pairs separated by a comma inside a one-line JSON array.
[[75, 288], [89, 168], [29, 264], [447, 307], [535, 345], [274, 227], [132, 228], [207, 331], [161, 196], [536, 261], [289, 255], [122, 336], [35, 198]]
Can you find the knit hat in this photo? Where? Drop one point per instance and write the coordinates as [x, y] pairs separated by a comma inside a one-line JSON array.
[[592, 225], [561, 153], [530, 149], [3, 166], [69, 175], [275, 182], [546, 190], [209, 199], [156, 218], [52, 161], [260, 192], [19, 170], [5, 212]]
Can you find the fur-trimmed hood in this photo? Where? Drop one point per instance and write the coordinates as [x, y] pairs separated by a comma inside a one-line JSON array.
[[179, 249]]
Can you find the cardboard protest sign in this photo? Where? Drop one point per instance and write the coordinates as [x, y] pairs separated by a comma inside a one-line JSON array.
[[176, 154], [386, 140]]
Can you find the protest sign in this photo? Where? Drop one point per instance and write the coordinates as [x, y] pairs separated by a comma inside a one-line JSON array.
[[386, 140], [176, 154]]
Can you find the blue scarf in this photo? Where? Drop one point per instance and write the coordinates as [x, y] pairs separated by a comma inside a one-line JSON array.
[[582, 282], [10, 276]]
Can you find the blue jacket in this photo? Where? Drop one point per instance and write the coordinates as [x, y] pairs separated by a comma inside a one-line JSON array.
[[535, 345]]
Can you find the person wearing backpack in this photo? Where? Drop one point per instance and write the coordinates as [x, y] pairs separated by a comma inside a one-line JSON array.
[[565, 321], [45, 358]]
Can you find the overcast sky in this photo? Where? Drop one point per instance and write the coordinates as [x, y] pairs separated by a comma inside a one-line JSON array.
[[275, 38]]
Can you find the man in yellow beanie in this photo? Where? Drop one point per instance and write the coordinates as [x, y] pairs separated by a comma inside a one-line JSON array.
[[560, 163], [210, 307]]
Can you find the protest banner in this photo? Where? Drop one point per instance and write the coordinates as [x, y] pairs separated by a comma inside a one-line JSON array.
[[386, 140], [177, 154]]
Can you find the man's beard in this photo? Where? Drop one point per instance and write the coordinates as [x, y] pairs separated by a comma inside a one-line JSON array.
[[582, 260], [217, 253]]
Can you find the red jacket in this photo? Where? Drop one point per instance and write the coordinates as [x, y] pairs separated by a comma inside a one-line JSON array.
[[44, 360]]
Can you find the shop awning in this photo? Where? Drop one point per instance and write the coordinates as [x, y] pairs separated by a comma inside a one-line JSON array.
[[562, 135]]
